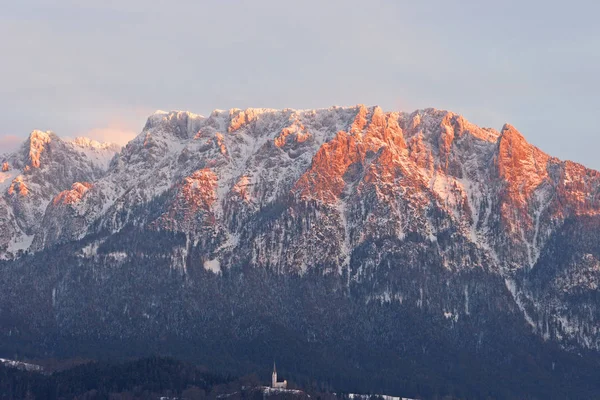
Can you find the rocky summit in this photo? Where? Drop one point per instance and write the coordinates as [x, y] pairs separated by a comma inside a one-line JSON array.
[[415, 247]]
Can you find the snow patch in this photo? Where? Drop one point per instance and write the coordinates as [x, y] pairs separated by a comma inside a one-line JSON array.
[[451, 316], [270, 390], [90, 250], [355, 396], [346, 245], [512, 288], [20, 365], [467, 300], [213, 266], [20, 243], [118, 255]]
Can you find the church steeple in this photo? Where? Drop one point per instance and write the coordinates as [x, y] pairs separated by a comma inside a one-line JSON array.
[[274, 383]]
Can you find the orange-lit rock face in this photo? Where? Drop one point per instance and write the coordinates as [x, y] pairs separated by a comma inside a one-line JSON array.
[[523, 168], [240, 118], [323, 180], [368, 134], [420, 153], [5, 167], [78, 189], [199, 189], [537, 192], [221, 143], [384, 129], [521, 165], [360, 121], [196, 195], [18, 186], [37, 142], [431, 141], [445, 141], [296, 132], [576, 191]]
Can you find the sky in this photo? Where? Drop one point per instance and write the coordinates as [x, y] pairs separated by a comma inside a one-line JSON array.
[[99, 68]]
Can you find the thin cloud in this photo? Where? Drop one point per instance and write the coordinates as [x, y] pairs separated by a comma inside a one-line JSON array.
[[118, 135], [119, 128], [9, 143]]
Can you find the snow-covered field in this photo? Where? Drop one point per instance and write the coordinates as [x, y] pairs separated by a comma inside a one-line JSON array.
[[20, 365]]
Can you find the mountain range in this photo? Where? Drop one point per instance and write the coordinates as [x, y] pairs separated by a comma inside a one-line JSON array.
[[412, 252]]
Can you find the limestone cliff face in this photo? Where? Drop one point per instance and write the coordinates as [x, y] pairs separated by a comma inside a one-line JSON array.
[[340, 159], [353, 192], [192, 205]]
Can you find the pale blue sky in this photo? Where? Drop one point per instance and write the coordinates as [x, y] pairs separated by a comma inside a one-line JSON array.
[[100, 67]]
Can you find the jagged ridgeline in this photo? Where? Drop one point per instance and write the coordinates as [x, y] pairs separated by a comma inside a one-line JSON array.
[[415, 253]]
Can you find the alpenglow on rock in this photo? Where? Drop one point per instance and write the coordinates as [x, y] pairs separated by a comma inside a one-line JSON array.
[[42, 167], [422, 210]]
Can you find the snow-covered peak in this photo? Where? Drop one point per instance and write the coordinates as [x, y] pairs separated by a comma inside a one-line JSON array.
[[44, 166], [163, 117], [85, 142], [218, 112], [99, 154], [164, 126]]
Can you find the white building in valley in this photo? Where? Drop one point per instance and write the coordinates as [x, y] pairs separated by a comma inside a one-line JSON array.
[[274, 383]]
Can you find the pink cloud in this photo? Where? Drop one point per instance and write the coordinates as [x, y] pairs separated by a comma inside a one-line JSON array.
[[118, 129], [9, 143], [114, 134]]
